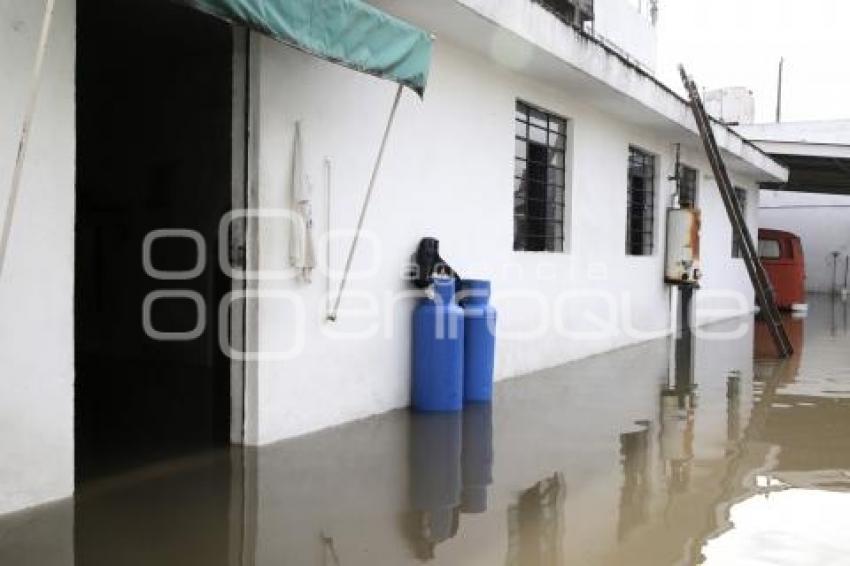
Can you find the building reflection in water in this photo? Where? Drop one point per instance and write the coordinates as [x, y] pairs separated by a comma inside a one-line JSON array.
[[678, 406], [677, 409], [733, 409], [536, 524], [636, 489], [450, 469]]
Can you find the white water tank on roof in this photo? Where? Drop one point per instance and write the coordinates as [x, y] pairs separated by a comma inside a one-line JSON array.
[[733, 105]]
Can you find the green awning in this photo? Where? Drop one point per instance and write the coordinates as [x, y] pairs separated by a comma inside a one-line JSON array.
[[348, 32]]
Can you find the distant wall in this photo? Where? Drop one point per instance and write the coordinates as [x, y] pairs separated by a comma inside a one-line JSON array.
[[823, 224], [37, 285]]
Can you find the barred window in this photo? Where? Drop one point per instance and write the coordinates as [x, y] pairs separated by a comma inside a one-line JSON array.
[[741, 201], [539, 180], [687, 187], [640, 212], [575, 12]]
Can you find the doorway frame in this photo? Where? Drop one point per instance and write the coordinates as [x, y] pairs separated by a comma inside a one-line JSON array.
[[244, 253]]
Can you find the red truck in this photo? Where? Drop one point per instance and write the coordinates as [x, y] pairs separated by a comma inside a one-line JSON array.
[[782, 255]]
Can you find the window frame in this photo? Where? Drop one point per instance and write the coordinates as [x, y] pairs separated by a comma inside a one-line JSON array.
[[780, 249], [741, 203], [555, 199], [648, 236]]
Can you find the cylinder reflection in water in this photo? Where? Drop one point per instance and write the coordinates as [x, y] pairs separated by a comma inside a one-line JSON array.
[[435, 479], [477, 458]]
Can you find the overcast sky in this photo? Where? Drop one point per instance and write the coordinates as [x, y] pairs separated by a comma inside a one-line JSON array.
[[739, 43]]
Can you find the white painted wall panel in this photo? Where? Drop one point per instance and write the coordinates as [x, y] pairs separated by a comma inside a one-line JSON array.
[[37, 285], [621, 23]]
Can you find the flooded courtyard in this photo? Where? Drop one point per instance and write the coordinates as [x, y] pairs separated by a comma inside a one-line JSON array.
[[616, 459]]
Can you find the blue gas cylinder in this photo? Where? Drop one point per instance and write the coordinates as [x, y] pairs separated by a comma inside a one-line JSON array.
[[479, 341], [438, 339]]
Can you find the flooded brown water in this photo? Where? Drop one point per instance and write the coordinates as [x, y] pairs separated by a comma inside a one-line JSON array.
[[600, 462]]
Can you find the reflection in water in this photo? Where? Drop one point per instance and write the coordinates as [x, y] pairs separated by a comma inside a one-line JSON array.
[[634, 494], [786, 528], [733, 409], [678, 407], [435, 480], [536, 524], [838, 315], [477, 457], [451, 467], [684, 347], [799, 516], [678, 412], [183, 507], [758, 468]]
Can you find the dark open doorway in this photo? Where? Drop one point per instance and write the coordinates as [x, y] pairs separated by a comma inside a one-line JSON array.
[[154, 126]]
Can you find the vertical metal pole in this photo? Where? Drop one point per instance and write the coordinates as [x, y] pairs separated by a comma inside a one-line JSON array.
[[238, 241], [328, 236], [779, 91], [365, 207], [685, 341], [25, 131], [835, 272]]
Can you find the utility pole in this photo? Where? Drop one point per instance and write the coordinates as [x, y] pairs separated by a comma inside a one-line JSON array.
[[779, 91]]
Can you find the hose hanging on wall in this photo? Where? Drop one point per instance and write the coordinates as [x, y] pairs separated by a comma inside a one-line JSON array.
[[363, 209]]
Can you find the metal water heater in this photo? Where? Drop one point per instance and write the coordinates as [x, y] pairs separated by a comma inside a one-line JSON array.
[[682, 266]]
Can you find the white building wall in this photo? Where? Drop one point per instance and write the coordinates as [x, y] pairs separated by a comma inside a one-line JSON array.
[[37, 284], [725, 281], [823, 224], [628, 25], [448, 173]]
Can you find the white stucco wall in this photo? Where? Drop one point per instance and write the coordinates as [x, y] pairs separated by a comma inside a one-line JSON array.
[[621, 23], [448, 173], [37, 285], [823, 224]]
